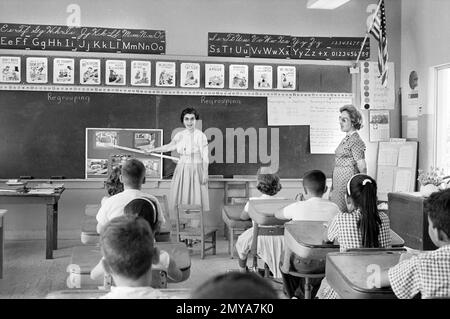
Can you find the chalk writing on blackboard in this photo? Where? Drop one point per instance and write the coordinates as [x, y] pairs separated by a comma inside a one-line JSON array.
[[55, 98], [88, 39], [285, 46]]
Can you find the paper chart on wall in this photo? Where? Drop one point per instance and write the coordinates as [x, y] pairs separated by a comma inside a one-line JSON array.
[[385, 179], [387, 155], [402, 180], [406, 156], [288, 110], [325, 133]]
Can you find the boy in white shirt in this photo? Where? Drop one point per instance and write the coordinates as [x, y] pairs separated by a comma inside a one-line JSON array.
[[132, 176], [313, 206]]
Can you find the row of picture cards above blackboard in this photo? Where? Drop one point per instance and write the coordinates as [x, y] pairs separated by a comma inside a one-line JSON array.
[[127, 72]]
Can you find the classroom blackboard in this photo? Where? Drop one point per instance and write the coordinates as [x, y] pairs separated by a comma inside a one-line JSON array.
[[43, 133]]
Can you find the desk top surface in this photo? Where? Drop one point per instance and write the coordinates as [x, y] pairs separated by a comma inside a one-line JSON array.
[[311, 233], [2, 212], [262, 211], [354, 266], [56, 193]]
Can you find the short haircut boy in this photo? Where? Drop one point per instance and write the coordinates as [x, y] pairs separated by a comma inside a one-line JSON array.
[[438, 208], [127, 246], [133, 172], [235, 285], [315, 181]]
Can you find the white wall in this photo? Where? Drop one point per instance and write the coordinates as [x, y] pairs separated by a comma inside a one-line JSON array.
[[425, 44], [187, 24]]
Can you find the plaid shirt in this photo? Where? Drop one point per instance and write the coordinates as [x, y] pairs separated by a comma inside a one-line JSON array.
[[344, 228], [427, 273]]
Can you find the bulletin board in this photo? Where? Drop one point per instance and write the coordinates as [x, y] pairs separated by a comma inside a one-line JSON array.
[[396, 168]]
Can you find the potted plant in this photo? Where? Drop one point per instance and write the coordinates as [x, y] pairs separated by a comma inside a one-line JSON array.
[[432, 181]]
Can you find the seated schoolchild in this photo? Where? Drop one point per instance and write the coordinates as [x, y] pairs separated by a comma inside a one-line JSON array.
[[312, 208], [132, 176], [113, 185], [270, 248], [146, 209], [363, 226], [127, 246], [235, 285], [427, 273]]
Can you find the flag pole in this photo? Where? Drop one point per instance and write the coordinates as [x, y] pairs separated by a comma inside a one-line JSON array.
[[367, 33]]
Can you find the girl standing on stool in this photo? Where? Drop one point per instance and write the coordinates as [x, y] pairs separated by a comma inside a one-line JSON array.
[[190, 179]]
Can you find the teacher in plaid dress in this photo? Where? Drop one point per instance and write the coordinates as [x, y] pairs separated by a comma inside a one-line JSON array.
[[350, 157]]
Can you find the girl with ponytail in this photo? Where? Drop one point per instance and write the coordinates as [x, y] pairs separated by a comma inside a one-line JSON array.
[[363, 226]]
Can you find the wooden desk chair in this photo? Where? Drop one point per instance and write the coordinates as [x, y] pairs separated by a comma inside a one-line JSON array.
[[308, 276], [263, 230], [2, 232], [236, 194], [165, 232], [195, 228]]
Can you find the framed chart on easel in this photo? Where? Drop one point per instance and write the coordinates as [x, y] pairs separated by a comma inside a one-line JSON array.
[[396, 167], [107, 148]]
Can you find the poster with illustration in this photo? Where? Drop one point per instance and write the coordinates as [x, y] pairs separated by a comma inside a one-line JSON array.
[[286, 77], [262, 77], [106, 139], [115, 72], [37, 70], [10, 69], [63, 71], [96, 167], [144, 141], [165, 74], [107, 148], [90, 71], [190, 75], [140, 73], [214, 76], [238, 76]]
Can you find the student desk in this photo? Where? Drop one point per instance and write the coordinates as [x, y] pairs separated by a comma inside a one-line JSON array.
[[407, 217], [51, 203], [2, 226], [353, 275], [305, 240]]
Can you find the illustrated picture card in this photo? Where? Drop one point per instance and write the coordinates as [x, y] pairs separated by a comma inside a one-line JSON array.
[[97, 167], [165, 74], [144, 141], [105, 139], [238, 76], [90, 71], [140, 73], [116, 72], [63, 71], [262, 76], [37, 70], [10, 69], [214, 76], [190, 75], [286, 77]]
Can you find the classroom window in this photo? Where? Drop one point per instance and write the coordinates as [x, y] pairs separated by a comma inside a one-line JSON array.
[[442, 142]]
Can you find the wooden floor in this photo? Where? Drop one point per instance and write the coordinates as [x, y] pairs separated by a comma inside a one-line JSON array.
[[27, 274]]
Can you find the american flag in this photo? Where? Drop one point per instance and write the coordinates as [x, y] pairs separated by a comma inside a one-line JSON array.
[[378, 30]]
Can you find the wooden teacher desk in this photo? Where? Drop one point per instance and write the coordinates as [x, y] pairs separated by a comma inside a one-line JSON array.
[[50, 200]]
